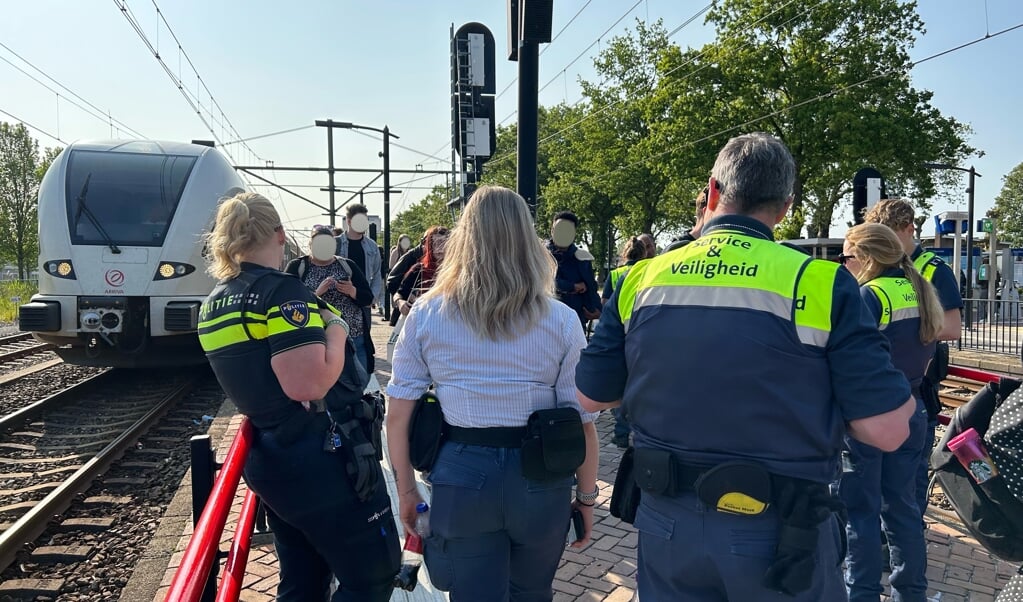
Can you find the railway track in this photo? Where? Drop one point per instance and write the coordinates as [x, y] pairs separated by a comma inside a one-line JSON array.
[[17, 346], [956, 391], [59, 446]]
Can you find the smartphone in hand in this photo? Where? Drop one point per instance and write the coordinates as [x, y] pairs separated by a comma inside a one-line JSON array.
[[577, 525]]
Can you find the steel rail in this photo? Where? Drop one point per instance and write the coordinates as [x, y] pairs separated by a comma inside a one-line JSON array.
[[26, 351], [15, 338], [31, 525], [31, 411], [33, 369]]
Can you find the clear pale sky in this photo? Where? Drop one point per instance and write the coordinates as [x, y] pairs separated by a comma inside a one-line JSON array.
[[275, 66]]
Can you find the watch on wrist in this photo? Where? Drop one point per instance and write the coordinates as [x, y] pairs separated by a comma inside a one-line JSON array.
[[587, 498]]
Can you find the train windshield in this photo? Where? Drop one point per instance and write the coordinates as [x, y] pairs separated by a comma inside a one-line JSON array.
[[126, 199]]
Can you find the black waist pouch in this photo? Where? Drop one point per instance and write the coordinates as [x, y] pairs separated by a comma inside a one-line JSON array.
[[554, 445], [425, 432], [626, 493]]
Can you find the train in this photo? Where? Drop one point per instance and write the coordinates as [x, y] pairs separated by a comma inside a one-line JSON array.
[[122, 267]]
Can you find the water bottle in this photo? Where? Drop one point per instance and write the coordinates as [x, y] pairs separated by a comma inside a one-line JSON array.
[[412, 554]]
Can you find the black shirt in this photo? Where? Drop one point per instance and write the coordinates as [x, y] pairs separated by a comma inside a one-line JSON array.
[[279, 313], [357, 254]]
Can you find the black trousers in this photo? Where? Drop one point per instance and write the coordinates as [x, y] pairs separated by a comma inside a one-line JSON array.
[[320, 527]]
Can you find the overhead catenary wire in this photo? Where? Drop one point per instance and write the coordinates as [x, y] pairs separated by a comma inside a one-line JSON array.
[[395, 144], [587, 49], [195, 101], [582, 54], [105, 117], [122, 5], [573, 61], [593, 114], [545, 48], [684, 64], [261, 136], [29, 125], [806, 102]]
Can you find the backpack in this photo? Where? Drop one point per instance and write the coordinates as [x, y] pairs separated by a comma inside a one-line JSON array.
[[990, 511]]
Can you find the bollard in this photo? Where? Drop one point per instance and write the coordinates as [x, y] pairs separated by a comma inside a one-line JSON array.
[[204, 471]]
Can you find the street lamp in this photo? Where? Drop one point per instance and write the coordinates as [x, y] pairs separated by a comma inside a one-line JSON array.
[[969, 229], [330, 124]]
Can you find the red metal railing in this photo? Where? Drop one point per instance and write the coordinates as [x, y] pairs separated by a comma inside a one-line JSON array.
[[974, 374], [234, 572], [191, 576]]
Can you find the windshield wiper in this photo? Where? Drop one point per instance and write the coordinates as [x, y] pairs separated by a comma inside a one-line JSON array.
[[83, 208]]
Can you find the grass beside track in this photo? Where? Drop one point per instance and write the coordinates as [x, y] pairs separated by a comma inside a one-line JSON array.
[[12, 294]]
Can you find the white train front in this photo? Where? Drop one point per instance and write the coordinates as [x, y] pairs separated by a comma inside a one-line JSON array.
[[121, 268]]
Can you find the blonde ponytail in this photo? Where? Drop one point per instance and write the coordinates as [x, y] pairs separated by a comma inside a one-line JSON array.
[[243, 223], [878, 248], [932, 314]]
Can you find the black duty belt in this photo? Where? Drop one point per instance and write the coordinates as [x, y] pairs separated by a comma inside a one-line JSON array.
[[498, 436]]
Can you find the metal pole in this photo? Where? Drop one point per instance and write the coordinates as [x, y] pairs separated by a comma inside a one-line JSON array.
[[204, 473], [992, 271], [529, 75], [969, 250], [330, 170], [387, 210]]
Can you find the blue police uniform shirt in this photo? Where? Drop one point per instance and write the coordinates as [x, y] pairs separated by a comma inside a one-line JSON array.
[[944, 281], [909, 355], [715, 384]]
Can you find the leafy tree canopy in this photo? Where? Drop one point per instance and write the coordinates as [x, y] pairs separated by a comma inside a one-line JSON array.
[[22, 167], [1008, 208], [830, 79], [432, 210]]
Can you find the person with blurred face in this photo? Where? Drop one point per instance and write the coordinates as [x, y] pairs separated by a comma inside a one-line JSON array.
[[575, 283], [338, 281], [420, 276]]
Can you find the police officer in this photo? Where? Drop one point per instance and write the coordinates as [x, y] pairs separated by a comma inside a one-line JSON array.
[[575, 284], [634, 251], [279, 358], [899, 216], [879, 488], [739, 434]]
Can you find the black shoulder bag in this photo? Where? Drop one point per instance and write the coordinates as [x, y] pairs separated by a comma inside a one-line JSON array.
[[425, 432]]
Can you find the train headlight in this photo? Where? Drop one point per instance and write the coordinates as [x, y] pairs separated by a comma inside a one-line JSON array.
[[61, 268], [172, 269]]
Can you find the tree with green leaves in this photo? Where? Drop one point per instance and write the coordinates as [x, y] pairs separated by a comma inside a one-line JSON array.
[[830, 79], [21, 170], [1008, 209], [414, 220]]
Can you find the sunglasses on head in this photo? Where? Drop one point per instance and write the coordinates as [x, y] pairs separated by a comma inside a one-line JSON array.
[[843, 258], [322, 229]]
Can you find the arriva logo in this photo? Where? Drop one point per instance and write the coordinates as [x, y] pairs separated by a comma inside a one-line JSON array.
[[114, 277]]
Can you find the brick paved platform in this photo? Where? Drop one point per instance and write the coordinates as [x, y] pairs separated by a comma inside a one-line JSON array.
[[959, 569]]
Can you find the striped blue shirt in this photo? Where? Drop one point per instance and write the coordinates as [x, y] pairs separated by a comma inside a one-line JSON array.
[[483, 383]]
